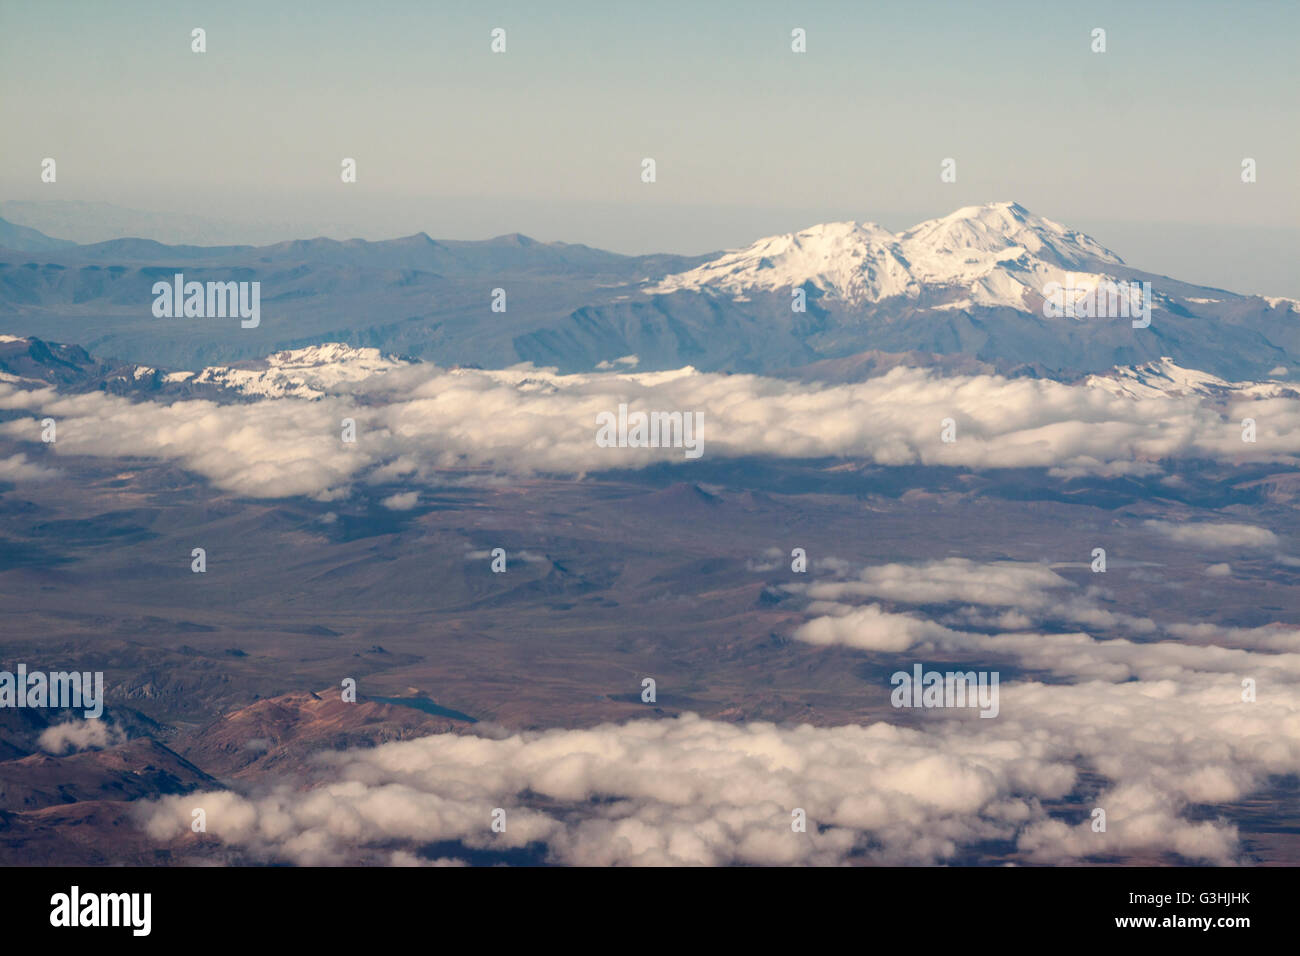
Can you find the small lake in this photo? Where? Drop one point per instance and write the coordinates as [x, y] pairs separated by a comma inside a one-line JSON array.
[[427, 705]]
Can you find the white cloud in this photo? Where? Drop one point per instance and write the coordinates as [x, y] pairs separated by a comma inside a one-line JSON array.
[[871, 628], [414, 420], [1163, 722], [677, 791], [1033, 592], [693, 791], [1269, 638], [1214, 535], [74, 735], [17, 468]]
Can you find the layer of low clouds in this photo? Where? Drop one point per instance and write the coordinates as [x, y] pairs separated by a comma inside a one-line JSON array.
[[412, 421]]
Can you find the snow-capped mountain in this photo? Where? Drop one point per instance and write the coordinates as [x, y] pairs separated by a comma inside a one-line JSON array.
[[296, 373], [1166, 378], [992, 255], [976, 283], [306, 373], [857, 262]]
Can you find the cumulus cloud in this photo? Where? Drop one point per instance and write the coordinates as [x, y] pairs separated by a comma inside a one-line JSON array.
[[1075, 655], [1004, 583], [1031, 592], [74, 735], [694, 791], [17, 468], [267, 449], [1214, 535], [872, 628], [1164, 723], [673, 791], [1125, 700], [1273, 637], [417, 419], [403, 501], [1035, 595]]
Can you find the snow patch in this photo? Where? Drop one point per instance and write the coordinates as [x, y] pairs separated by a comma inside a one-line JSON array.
[[1167, 379], [309, 373]]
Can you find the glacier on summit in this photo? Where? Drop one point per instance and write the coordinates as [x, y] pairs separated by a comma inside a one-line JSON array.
[[995, 253]]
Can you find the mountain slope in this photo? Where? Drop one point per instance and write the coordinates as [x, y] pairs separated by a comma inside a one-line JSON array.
[[995, 283], [25, 239]]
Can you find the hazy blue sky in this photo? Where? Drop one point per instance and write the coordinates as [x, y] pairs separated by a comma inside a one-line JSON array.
[[1140, 146]]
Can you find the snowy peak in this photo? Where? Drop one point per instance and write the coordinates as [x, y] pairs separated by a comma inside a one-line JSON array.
[[1004, 230], [993, 254], [306, 373], [854, 261], [297, 373], [1165, 378]]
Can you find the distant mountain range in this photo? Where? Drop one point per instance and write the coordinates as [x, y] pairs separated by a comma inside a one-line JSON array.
[[25, 239], [970, 284], [86, 222], [303, 373]]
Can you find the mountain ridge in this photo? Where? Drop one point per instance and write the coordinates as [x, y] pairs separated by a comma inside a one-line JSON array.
[[973, 282]]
